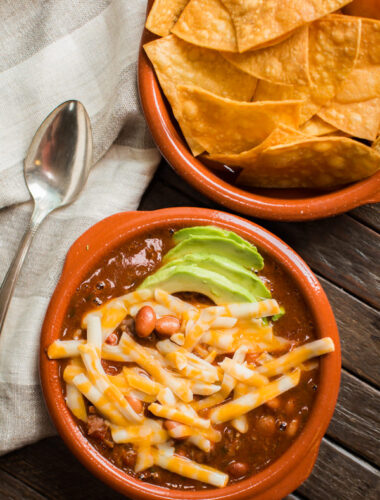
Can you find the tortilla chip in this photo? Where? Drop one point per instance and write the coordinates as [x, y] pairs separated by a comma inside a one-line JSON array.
[[281, 135], [257, 22], [363, 82], [163, 15], [208, 24], [266, 91], [177, 62], [223, 125], [363, 8], [317, 126], [333, 50], [284, 63], [318, 162], [359, 119]]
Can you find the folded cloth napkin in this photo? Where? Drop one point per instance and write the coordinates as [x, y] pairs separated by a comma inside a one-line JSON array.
[[52, 51]]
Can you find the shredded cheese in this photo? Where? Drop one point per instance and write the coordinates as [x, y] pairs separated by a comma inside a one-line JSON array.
[[166, 377]]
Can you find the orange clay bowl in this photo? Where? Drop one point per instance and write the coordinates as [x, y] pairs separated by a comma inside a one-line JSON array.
[[277, 204], [294, 466]]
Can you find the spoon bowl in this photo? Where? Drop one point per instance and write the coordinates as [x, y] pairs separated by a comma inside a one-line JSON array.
[[58, 160], [55, 170]]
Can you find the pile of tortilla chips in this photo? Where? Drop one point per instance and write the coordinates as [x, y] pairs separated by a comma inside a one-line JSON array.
[[288, 92]]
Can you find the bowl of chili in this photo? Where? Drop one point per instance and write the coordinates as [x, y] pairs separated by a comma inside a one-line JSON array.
[[114, 257]]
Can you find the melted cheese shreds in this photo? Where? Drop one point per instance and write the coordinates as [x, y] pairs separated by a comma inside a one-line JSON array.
[[178, 338], [240, 423], [189, 468], [143, 358], [98, 377], [262, 309], [175, 304], [166, 397], [254, 398], [159, 309], [224, 322], [167, 376], [299, 355], [75, 402], [228, 385], [204, 389], [75, 375], [141, 382], [94, 331], [178, 416], [200, 442], [60, 349], [114, 353], [144, 434], [144, 459], [242, 373]]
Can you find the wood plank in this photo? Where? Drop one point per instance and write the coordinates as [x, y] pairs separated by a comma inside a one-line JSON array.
[[369, 215], [170, 178], [161, 195], [359, 329], [13, 489], [46, 466], [340, 249], [356, 421], [338, 475]]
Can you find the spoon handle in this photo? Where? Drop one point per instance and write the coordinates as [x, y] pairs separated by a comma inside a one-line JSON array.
[[9, 282]]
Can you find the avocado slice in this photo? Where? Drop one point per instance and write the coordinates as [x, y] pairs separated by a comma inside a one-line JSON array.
[[227, 268], [189, 232], [246, 256], [191, 278]]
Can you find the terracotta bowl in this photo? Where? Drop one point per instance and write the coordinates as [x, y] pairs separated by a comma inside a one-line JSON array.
[[294, 466], [277, 204]]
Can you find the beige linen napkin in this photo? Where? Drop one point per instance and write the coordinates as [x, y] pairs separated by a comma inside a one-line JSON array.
[[52, 51]]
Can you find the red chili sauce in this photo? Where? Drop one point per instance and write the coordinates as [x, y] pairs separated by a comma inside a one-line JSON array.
[[272, 427]]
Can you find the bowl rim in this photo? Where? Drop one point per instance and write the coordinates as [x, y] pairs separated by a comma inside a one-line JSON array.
[[175, 150], [125, 226]]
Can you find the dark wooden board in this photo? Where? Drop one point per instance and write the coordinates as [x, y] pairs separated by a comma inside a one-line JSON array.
[[13, 489], [369, 215], [359, 330], [356, 421], [340, 249], [50, 469], [338, 475]]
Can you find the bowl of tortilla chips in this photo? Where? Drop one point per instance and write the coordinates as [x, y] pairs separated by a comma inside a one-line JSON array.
[[269, 108]]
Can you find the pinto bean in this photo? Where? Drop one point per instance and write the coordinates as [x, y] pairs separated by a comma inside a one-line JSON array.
[[237, 469], [145, 321], [290, 406], [251, 357], [112, 339], [266, 424], [274, 403], [292, 428], [135, 403], [166, 326]]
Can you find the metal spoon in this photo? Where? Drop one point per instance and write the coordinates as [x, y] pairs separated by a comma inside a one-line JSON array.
[[55, 170]]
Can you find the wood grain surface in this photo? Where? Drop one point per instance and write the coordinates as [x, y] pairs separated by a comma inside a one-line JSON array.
[[344, 253]]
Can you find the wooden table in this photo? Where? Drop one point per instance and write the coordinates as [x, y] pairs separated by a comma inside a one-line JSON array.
[[344, 252]]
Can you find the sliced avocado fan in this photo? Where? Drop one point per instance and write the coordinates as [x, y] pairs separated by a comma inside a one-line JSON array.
[[243, 254], [236, 273], [189, 232], [191, 278]]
